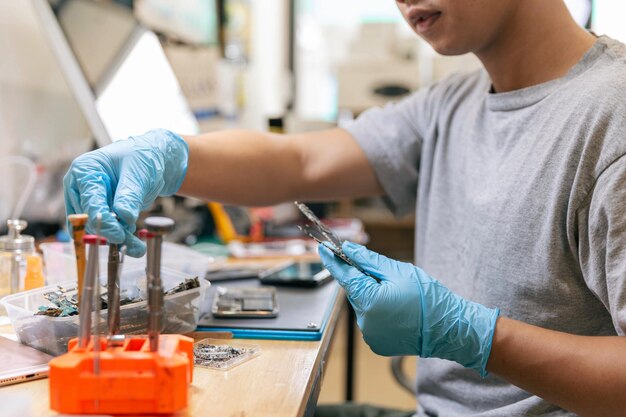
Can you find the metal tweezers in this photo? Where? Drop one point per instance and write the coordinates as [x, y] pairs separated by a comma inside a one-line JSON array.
[[323, 235]]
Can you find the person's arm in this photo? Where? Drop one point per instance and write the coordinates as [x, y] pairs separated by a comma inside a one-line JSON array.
[[120, 180], [583, 374], [252, 168]]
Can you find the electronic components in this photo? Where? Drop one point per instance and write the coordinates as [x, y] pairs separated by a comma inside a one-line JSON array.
[[324, 236], [238, 302], [222, 354]]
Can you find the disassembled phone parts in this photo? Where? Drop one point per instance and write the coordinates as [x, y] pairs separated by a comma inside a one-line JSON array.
[[325, 236]]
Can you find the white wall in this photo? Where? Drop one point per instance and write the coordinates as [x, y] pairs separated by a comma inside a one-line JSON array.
[[38, 115], [268, 75], [37, 111], [609, 18]]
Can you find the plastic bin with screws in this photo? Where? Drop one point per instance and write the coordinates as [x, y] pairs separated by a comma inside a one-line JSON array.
[[180, 311]]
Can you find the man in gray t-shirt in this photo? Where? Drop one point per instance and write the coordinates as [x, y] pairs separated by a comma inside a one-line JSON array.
[[521, 205], [518, 178]]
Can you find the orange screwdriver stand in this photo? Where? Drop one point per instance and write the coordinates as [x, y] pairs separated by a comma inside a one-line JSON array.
[[130, 380]]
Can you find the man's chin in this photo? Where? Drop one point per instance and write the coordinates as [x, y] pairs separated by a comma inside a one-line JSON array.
[[448, 48], [447, 51]]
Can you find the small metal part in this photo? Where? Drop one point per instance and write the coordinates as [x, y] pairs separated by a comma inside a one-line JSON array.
[[116, 340], [157, 227], [323, 235], [187, 284]]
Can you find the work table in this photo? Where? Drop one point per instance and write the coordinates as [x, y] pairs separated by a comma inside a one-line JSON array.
[[283, 381]]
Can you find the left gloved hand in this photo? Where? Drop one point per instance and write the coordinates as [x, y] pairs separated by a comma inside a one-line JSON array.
[[124, 178], [411, 313]]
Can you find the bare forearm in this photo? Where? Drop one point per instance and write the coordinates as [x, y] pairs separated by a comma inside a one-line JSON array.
[[252, 168], [586, 375], [231, 166]]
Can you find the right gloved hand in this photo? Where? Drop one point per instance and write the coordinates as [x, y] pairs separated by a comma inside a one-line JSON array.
[[125, 178], [411, 313]]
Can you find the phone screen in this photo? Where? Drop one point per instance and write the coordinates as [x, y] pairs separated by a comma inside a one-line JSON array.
[[303, 274]]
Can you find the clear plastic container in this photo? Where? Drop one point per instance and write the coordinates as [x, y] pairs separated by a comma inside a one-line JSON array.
[[51, 334], [60, 261]]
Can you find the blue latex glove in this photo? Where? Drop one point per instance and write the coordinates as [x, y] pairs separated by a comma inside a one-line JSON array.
[[125, 178], [411, 313]]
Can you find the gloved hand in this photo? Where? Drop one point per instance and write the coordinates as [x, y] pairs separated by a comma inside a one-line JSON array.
[[410, 313], [125, 178]]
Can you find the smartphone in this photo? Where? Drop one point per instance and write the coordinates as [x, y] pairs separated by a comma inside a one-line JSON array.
[[234, 272], [243, 302], [297, 274], [21, 363]]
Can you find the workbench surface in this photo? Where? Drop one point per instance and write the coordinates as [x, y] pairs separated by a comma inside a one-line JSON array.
[[283, 381]]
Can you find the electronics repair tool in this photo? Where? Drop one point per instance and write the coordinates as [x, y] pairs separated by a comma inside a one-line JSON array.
[[88, 300], [114, 268], [78, 222], [124, 374], [157, 227], [324, 236]]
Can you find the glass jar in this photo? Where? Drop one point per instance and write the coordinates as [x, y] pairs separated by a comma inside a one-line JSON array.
[[14, 249]]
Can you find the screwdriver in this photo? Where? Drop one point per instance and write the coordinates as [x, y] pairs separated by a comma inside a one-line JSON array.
[[157, 227], [90, 290], [114, 267], [78, 222]]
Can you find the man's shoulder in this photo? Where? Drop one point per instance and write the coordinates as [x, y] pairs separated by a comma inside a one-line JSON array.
[[606, 79], [456, 88], [614, 49]]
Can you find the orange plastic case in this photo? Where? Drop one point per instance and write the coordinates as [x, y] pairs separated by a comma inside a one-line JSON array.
[[131, 380]]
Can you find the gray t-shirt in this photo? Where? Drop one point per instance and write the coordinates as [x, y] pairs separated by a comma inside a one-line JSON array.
[[520, 200]]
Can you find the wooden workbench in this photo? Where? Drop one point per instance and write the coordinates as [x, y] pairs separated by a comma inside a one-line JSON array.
[[283, 381]]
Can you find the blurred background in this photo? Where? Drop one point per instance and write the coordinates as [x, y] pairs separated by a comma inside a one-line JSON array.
[[313, 64], [285, 65]]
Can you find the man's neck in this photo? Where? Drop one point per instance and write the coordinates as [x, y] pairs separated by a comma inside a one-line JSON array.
[[538, 46]]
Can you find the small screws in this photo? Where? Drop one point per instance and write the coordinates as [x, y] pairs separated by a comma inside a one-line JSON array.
[[216, 356]]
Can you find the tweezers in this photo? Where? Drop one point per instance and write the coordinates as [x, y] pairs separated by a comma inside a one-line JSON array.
[[323, 235]]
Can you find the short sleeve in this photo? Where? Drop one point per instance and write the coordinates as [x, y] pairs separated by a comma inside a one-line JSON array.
[[391, 138], [602, 241]]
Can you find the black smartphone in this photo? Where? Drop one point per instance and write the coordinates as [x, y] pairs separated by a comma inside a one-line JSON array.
[[234, 272], [297, 274]]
